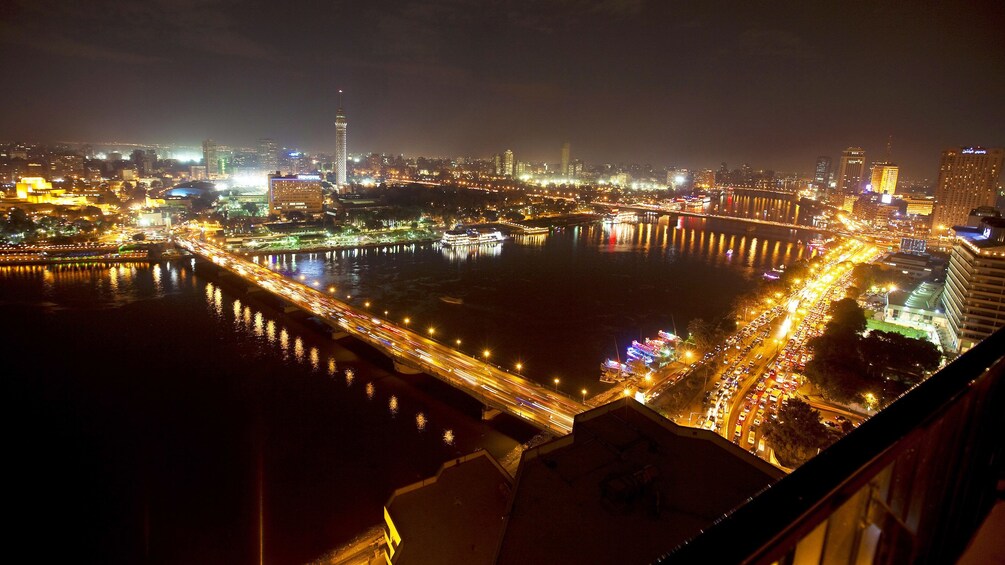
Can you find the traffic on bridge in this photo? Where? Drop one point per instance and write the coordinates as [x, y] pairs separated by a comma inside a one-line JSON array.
[[493, 386]]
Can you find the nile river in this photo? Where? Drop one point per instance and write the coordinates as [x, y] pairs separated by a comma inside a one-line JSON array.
[[156, 414]]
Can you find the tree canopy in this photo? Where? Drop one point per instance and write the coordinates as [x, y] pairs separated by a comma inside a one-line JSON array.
[[797, 434]]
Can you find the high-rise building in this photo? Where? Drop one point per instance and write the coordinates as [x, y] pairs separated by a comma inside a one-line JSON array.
[[704, 179], [822, 172], [210, 159], [508, 163], [968, 178], [301, 193], [975, 284], [497, 164], [268, 155], [566, 150], [884, 178], [341, 149], [851, 171]]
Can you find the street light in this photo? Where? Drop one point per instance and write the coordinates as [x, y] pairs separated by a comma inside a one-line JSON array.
[[407, 320], [366, 304], [584, 395], [486, 353], [556, 384], [432, 331], [519, 366]]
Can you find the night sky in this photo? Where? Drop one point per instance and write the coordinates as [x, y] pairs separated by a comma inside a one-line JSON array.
[[689, 84]]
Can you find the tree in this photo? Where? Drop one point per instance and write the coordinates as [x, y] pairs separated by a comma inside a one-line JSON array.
[[797, 434], [701, 334], [251, 208], [847, 317]]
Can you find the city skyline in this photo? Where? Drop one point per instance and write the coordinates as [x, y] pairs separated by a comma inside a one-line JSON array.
[[620, 81]]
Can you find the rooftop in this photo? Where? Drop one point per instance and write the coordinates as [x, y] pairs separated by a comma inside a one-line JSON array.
[[626, 474], [456, 515]]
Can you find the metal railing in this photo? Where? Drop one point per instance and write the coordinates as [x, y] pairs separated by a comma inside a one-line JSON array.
[[910, 485]]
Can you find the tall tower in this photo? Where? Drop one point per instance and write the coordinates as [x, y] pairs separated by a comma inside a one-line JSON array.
[[209, 158], [268, 155], [508, 163], [968, 178], [822, 172], [341, 156], [849, 179], [566, 150]]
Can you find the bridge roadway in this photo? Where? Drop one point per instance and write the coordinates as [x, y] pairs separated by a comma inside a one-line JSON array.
[[496, 388], [669, 210]]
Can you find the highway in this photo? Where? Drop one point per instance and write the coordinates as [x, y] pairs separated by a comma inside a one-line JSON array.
[[493, 386]]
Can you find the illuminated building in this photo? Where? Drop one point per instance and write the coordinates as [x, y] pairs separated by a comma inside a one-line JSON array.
[[37, 190], [919, 206], [975, 285], [508, 163], [268, 155], [851, 170], [210, 159], [822, 172], [968, 178], [301, 193], [704, 179], [341, 149], [566, 149], [884, 178]]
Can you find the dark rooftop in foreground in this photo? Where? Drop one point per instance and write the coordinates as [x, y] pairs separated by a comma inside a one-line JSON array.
[[453, 517], [622, 487]]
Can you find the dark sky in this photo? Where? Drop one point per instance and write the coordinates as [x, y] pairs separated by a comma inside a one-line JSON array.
[[686, 83]]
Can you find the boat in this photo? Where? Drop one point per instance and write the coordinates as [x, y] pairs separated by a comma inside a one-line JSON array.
[[460, 237], [452, 300], [621, 218]]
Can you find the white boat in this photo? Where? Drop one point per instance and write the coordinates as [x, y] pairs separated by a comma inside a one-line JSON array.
[[459, 237]]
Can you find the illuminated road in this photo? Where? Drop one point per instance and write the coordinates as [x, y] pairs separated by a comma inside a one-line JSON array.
[[493, 386]]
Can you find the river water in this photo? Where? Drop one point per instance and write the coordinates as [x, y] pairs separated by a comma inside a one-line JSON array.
[[156, 414]]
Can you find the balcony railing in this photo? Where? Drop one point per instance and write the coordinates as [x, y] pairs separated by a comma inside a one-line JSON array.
[[910, 485]]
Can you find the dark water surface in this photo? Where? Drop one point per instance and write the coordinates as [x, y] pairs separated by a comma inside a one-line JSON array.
[[556, 304], [154, 414]]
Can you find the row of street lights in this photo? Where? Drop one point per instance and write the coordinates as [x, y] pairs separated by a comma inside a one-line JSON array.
[[486, 354]]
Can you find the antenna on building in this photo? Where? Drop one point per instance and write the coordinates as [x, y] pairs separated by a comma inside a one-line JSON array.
[[340, 98], [889, 146]]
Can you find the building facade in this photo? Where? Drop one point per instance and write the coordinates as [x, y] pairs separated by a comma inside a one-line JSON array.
[[268, 155], [852, 168], [822, 172], [975, 284], [210, 159], [301, 193], [884, 178], [566, 151], [968, 179], [508, 163]]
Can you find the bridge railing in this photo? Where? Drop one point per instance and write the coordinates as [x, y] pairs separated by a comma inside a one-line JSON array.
[[910, 485]]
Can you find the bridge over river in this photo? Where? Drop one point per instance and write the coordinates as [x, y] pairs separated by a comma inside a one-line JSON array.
[[410, 351]]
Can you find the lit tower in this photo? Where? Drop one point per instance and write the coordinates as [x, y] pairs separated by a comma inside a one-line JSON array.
[[340, 145], [566, 150]]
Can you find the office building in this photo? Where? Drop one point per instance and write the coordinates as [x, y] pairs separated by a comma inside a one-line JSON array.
[[852, 168], [341, 148], [566, 149], [968, 178], [704, 179], [884, 178], [301, 193], [822, 172], [975, 284], [210, 160], [268, 155], [508, 163]]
